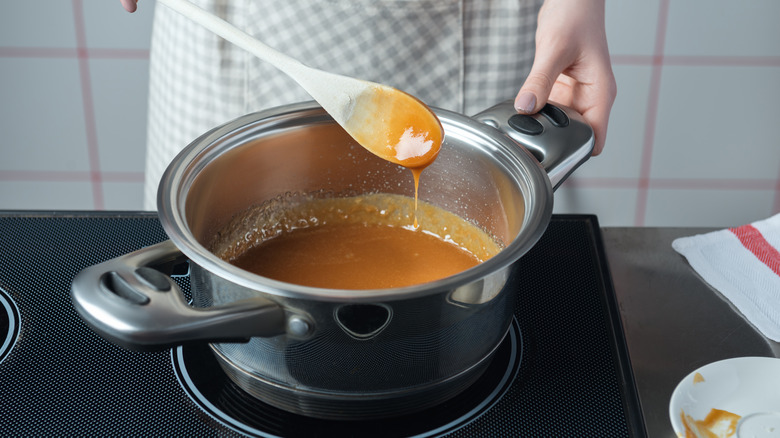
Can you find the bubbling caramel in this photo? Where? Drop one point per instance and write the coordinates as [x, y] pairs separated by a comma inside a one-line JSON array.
[[361, 242]]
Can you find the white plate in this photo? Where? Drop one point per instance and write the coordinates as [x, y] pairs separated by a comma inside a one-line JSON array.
[[746, 386]]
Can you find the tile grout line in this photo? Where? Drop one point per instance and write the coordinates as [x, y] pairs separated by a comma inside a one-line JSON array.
[[88, 103], [776, 206], [71, 53], [70, 176], [695, 60], [643, 185]]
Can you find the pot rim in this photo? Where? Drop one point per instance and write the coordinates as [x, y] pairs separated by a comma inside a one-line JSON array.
[[171, 202]]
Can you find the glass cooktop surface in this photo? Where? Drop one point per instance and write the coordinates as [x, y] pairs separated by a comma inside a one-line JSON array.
[[562, 370]]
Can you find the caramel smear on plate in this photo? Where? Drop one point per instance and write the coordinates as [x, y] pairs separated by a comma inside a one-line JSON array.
[[717, 424]]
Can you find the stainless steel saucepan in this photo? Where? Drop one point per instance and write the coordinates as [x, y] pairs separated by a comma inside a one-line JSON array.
[[345, 354]]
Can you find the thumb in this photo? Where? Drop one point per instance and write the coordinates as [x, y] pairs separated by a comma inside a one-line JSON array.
[[129, 5], [537, 87]]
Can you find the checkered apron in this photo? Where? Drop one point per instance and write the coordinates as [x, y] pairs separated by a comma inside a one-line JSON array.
[[461, 55]]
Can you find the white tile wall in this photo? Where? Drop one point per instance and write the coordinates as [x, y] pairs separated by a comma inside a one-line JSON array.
[[26, 25], [73, 104], [692, 137]]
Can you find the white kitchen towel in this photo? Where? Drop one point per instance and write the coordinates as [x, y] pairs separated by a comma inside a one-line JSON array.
[[743, 264]]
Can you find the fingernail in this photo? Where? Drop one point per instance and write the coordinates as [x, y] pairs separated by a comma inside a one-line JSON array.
[[525, 102]]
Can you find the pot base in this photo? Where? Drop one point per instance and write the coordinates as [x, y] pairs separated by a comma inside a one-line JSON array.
[[353, 405], [201, 377]]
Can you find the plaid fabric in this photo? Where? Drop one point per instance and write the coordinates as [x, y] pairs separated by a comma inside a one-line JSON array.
[[462, 55]]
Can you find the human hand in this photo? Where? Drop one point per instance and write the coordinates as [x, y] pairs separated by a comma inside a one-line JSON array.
[[572, 65], [129, 5]]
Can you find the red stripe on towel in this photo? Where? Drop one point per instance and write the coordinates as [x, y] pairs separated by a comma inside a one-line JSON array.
[[754, 241]]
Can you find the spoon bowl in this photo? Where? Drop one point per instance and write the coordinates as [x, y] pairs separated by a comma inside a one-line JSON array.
[[388, 122]]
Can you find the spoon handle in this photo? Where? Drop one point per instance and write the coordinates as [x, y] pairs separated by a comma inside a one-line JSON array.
[[335, 93], [236, 36]]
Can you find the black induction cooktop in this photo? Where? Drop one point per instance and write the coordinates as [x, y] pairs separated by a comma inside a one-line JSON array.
[[562, 370]]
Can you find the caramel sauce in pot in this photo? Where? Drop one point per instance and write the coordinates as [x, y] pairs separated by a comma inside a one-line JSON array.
[[361, 242]]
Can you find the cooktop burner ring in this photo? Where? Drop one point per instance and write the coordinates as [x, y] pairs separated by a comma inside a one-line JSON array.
[[10, 321], [212, 391]]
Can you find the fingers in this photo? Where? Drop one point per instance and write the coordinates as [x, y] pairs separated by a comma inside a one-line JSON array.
[[129, 5], [537, 87], [598, 119], [598, 115], [592, 97]]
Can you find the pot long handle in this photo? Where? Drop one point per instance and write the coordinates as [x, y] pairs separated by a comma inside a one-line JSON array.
[[130, 302], [558, 136]]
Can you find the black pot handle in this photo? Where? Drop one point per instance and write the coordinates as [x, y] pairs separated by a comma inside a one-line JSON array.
[[557, 136], [136, 306]]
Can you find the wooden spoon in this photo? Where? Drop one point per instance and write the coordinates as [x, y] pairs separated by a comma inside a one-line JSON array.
[[389, 123]]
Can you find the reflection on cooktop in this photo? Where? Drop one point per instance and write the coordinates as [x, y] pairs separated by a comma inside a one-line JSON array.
[[9, 324], [204, 381]]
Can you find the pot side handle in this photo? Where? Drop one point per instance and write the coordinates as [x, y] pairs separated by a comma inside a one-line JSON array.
[[557, 136], [132, 304]]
